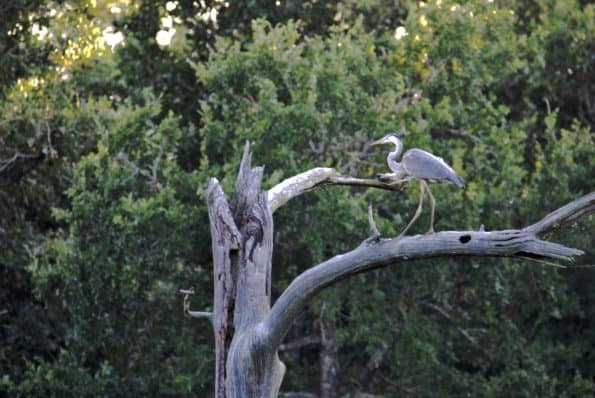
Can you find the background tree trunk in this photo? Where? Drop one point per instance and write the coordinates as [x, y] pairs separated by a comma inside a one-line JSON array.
[[329, 356]]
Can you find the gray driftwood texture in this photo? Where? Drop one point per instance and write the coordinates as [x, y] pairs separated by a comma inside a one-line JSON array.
[[249, 332]]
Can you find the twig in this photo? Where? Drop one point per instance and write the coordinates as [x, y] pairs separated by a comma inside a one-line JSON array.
[[544, 262], [52, 153], [194, 314], [375, 232], [408, 390], [463, 134], [155, 166], [300, 343], [447, 316], [18, 155]]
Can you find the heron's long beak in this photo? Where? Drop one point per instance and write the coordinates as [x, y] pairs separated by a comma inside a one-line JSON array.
[[378, 142]]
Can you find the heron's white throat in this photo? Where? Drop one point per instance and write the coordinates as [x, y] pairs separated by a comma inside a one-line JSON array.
[[396, 141], [393, 157]]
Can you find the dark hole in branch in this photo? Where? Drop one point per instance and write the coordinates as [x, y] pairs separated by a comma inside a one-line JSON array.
[[465, 238]]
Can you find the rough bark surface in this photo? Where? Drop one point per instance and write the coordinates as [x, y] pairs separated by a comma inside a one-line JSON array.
[[242, 244], [225, 242], [249, 332]]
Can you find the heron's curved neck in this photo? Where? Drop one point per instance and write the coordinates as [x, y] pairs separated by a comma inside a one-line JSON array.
[[394, 155]]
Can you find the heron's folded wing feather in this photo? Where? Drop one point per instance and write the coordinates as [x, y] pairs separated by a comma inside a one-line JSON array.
[[423, 165]]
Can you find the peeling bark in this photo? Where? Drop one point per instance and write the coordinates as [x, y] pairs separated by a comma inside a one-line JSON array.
[[225, 240]]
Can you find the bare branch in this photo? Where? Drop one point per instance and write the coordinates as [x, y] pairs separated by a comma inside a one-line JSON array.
[[408, 390], [300, 343], [155, 167], [471, 339], [370, 255], [51, 152], [319, 176], [389, 182], [5, 164], [296, 185], [194, 314], [298, 394], [564, 215], [463, 134], [200, 314], [375, 232]]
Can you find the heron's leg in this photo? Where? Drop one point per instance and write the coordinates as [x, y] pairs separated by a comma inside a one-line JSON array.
[[433, 200], [422, 187]]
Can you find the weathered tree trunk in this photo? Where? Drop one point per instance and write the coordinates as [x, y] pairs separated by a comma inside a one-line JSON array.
[[242, 240], [248, 331], [225, 241]]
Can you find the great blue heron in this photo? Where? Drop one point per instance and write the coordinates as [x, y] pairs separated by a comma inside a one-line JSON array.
[[419, 165]]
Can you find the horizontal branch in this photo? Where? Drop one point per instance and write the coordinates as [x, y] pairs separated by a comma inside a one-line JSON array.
[[4, 164], [300, 343], [320, 176], [194, 314], [382, 252], [200, 314], [298, 394]]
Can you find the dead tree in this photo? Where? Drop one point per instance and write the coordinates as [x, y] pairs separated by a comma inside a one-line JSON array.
[[248, 330]]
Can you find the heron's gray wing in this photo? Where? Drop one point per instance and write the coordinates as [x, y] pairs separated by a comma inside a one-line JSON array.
[[423, 165]]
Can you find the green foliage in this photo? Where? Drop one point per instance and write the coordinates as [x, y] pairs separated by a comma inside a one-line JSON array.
[[286, 93], [16, 42], [132, 243], [63, 377], [41, 135]]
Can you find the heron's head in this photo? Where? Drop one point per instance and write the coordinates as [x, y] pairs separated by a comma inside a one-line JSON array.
[[391, 138]]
